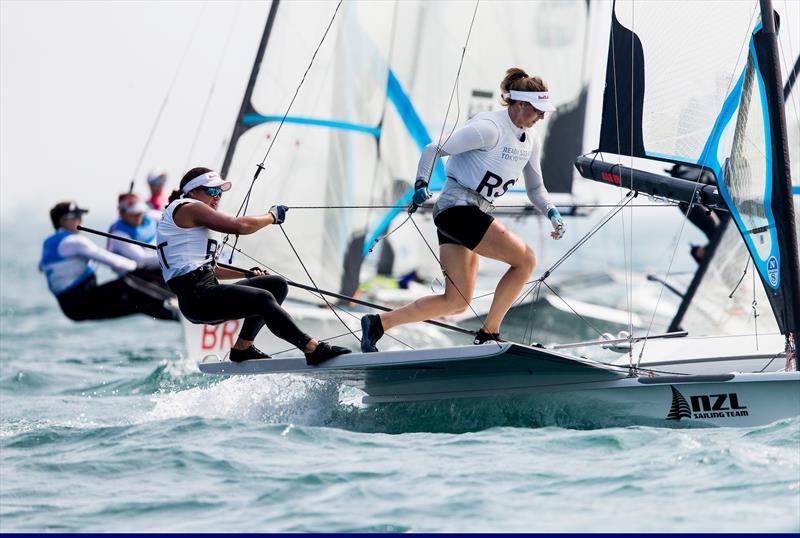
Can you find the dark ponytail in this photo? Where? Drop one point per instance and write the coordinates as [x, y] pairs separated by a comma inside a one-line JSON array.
[[187, 177]]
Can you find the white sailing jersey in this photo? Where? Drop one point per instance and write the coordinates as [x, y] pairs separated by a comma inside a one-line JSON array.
[[182, 250], [491, 171], [487, 156]]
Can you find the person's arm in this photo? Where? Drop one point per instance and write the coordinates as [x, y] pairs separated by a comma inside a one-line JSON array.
[[481, 134], [223, 273], [537, 192], [192, 215], [77, 245], [534, 181], [147, 259]]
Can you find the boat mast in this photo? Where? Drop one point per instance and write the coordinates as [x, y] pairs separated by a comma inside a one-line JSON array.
[[782, 187], [239, 127]]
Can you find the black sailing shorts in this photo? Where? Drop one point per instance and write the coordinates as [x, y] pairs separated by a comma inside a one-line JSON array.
[[463, 225]]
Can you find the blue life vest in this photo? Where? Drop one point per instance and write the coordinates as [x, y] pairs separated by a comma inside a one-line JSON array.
[[146, 232], [62, 273]]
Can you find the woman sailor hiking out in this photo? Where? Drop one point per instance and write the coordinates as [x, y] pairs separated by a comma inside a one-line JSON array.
[[487, 156], [187, 245]]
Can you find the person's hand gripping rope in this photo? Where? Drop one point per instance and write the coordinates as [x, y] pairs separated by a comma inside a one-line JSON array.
[[421, 195]]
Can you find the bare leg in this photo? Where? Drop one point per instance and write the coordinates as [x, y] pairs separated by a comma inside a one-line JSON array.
[[501, 244], [461, 266]]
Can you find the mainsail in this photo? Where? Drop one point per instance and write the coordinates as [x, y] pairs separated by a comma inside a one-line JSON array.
[[709, 100], [376, 93]]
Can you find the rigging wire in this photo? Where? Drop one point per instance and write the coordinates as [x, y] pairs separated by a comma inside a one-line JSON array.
[[554, 292], [694, 193], [754, 306], [744, 273], [439, 143], [517, 206], [629, 264], [166, 98], [625, 253], [448, 278], [384, 102], [316, 294], [412, 208], [245, 202], [303, 265]]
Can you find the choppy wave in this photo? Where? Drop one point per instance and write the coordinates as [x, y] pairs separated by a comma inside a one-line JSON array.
[[106, 427]]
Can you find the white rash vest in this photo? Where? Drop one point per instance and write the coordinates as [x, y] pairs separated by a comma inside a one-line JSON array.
[[182, 250], [487, 157]]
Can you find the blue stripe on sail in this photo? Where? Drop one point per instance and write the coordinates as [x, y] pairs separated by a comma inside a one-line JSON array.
[[709, 159], [405, 109], [257, 119], [796, 190]]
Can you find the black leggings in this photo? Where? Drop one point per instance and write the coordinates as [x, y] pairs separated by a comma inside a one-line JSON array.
[[121, 297], [258, 300]]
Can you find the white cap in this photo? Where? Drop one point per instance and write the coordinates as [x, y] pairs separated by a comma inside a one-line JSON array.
[[539, 100], [133, 205], [157, 178], [209, 179]]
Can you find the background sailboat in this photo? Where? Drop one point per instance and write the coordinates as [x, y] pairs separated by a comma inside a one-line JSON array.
[[375, 94]]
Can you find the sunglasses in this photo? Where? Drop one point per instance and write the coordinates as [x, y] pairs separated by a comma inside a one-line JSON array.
[[214, 192]]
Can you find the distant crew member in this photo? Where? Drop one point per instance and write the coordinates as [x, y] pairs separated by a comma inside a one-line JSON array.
[[488, 154], [158, 196], [67, 262], [134, 223], [187, 245]]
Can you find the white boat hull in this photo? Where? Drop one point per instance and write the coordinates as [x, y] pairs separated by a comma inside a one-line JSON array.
[[511, 370]]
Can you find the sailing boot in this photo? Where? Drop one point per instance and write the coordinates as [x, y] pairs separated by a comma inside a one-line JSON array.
[[323, 352], [482, 337], [371, 331], [252, 352]]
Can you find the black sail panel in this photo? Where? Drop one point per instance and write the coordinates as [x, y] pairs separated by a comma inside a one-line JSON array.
[[623, 100]]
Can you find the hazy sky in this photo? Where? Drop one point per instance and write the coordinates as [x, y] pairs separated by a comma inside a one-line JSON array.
[[82, 84]]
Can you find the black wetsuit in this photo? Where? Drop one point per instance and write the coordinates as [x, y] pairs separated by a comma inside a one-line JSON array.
[[121, 297], [258, 300]]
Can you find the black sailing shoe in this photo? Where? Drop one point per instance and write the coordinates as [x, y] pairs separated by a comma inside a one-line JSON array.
[[482, 337], [371, 331], [252, 352], [323, 352]]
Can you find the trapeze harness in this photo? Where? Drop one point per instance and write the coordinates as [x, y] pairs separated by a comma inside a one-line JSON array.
[[487, 156], [67, 262], [187, 258]]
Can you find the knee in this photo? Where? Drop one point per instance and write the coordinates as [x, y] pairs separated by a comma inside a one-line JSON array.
[[268, 301], [527, 262], [456, 304], [280, 289]]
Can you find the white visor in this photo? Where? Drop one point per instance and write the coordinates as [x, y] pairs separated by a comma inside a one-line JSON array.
[[209, 179], [539, 100], [133, 207]]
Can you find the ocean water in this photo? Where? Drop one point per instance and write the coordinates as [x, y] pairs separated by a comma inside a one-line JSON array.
[[107, 426]]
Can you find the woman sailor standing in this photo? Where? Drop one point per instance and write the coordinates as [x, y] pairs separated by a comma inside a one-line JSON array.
[[187, 246], [487, 156]]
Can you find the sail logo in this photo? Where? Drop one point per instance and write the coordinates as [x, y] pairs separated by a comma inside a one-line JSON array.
[[772, 270], [706, 406]]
